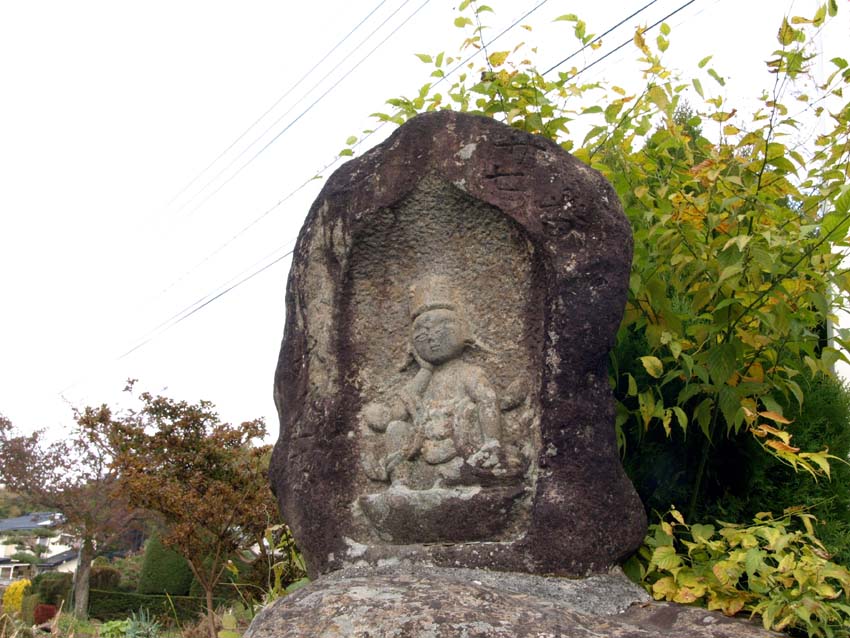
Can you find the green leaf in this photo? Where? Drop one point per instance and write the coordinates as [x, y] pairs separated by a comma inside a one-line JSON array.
[[462, 22], [703, 416], [351, 140], [633, 389], [424, 57], [346, 152], [665, 557], [682, 418], [228, 621], [698, 86], [717, 77], [730, 271], [702, 533], [653, 366], [721, 362], [665, 28], [704, 61], [567, 17]]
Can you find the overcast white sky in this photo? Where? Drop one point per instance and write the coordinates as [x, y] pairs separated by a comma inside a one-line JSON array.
[[110, 109]]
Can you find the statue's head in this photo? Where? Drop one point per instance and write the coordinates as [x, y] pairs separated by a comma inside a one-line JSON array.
[[439, 331]]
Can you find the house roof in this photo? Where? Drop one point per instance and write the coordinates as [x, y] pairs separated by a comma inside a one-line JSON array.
[[59, 559], [34, 520]]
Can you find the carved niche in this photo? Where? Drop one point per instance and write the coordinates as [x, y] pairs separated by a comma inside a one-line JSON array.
[[446, 357]]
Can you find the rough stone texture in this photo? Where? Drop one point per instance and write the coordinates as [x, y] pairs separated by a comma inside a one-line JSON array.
[[442, 384], [435, 603]]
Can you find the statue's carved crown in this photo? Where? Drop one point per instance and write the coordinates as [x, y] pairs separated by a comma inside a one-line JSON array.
[[432, 293]]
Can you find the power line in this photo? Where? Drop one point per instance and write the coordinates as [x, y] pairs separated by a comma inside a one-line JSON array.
[[278, 101], [320, 171], [207, 299], [599, 37], [627, 42], [210, 297], [302, 113]]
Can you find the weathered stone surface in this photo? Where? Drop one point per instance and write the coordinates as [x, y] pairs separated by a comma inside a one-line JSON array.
[[442, 384], [424, 602]]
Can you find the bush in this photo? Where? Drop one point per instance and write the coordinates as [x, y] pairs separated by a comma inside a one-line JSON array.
[[43, 613], [775, 568], [104, 577], [14, 595], [130, 568], [28, 605], [164, 571], [54, 588]]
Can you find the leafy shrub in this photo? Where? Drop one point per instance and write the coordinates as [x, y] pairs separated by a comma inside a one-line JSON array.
[[43, 613], [143, 625], [164, 571], [130, 568], [114, 628], [770, 568], [104, 577], [28, 605], [53, 587], [14, 595], [740, 480]]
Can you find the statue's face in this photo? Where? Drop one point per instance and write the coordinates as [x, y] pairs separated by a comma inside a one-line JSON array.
[[438, 336]]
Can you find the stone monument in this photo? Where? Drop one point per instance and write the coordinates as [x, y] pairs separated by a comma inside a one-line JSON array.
[[442, 384]]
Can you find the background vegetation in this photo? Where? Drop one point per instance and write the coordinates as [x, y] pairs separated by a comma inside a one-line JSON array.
[[727, 405]]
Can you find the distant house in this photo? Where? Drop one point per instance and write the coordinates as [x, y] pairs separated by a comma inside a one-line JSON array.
[[36, 528]]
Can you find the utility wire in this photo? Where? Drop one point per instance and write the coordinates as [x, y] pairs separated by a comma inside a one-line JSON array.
[[301, 114], [624, 44], [278, 101], [207, 299], [210, 297], [599, 37], [280, 202]]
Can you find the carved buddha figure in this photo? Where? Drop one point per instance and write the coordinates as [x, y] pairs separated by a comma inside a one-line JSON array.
[[448, 416]]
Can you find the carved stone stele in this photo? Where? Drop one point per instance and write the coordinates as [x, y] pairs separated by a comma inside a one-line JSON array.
[[442, 385]]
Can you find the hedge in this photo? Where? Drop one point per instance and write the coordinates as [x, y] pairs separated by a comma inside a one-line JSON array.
[[117, 605]]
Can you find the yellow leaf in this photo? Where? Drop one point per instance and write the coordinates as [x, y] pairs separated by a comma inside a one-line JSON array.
[[677, 515], [664, 588], [731, 129], [639, 41], [498, 58], [774, 416], [782, 447], [684, 596], [653, 366]]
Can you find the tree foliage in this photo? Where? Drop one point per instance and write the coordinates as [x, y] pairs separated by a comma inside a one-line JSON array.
[[203, 478], [72, 476], [736, 221], [739, 218]]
